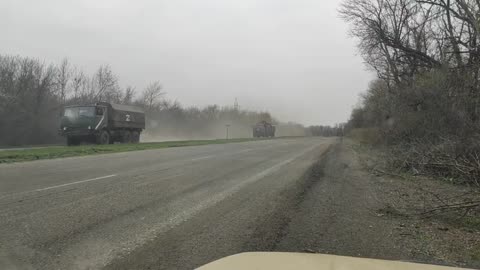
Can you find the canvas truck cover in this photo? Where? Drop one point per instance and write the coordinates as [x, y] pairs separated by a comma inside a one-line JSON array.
[[125, 116]]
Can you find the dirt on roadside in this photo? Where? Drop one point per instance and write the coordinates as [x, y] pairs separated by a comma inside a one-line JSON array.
[[353, 210]]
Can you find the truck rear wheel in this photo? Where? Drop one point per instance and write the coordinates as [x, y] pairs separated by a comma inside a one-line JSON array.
[[127, 137], [135, 137], [104, 138]]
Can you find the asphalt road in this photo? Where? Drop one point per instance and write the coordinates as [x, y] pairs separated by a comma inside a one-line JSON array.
[[174, 208]]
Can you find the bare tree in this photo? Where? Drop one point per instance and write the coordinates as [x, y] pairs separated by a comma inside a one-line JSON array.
[[104, 85], [393, 36], [399, 38], [402, 40], [64, 74], [80, 86], [128, 95], [151, 96]]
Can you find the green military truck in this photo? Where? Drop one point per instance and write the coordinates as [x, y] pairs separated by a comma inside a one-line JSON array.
[[263, 129], [102, 123]]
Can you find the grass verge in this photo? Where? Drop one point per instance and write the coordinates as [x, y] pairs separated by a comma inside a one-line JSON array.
[[10, 156]]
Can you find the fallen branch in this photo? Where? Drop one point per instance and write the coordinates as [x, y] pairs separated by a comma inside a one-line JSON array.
[[387, 173], [449, 207]]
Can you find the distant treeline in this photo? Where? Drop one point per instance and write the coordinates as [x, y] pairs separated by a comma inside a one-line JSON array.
[[425, 103], [33, 94], [327, 131]]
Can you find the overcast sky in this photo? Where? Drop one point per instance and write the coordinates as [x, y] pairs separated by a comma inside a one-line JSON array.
[[291, 57]]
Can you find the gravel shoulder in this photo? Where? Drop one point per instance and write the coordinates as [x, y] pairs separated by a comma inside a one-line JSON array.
[[354, 212]]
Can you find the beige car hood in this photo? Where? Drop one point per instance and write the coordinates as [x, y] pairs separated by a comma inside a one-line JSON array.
[[300, 261]]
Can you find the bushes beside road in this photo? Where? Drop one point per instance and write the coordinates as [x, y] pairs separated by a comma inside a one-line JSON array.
[[425, 104]]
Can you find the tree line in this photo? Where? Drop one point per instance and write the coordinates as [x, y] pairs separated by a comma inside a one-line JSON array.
[[33, 94], [327, 131], [425, 101]]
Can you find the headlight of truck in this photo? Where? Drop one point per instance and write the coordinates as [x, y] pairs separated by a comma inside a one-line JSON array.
[[64, 128]]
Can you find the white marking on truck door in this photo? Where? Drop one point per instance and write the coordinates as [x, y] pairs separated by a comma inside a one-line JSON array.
[[100, 122], [77, 182]]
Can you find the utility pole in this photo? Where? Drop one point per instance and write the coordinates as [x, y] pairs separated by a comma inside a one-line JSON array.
[[236, 107]]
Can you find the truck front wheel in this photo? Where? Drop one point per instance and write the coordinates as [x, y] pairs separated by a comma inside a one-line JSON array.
[[71, 141], [104, 138]]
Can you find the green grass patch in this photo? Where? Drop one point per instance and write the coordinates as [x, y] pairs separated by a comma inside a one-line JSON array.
[[10, 156]]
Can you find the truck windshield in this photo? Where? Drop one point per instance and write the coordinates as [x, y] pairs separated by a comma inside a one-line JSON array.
[[75, 112]]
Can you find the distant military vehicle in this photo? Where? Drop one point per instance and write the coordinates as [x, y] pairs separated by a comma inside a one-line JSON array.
[[263, 129], [102, 123]]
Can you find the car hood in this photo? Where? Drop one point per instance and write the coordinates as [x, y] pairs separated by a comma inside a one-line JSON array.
[[300, 261]]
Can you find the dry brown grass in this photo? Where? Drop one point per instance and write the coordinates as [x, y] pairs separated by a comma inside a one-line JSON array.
[[365, 135]]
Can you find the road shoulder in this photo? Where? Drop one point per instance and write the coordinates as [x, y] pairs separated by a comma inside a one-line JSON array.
[[354, 212]]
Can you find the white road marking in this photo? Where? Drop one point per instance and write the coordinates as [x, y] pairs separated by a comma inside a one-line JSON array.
[[201, 158], [244, 151], [77, 182]]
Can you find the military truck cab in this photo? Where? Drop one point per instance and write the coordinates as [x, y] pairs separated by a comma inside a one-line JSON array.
[[102, 123]]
